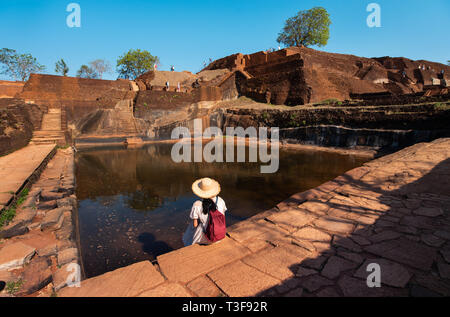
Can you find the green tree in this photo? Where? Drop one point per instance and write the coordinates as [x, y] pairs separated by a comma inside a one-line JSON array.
[[7, 59], [61, 67], [101, 67], [309, 27], [19, 66], [135, 63], [87, 72]]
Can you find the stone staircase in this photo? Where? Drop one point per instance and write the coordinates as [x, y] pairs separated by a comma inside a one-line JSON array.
[[50, 132]]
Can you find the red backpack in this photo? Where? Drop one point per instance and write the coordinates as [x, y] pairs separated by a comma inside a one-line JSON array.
[[216, 228]]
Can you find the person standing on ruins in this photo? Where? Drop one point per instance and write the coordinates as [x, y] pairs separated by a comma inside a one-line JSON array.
[[268, 95]]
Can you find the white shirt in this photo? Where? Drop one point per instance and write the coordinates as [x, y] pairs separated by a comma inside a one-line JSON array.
[[196, 235]]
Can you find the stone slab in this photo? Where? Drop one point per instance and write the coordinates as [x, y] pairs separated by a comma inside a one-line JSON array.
[[129, 281], [292, 219], [185, 264], [355, 287], [53, 219], [334, 224], [405, 251], [67, 255], [204, 287], [240, 280], [167, 290], [392, 274], [15, 255], [61, 276], [280, 262], [335, 266]]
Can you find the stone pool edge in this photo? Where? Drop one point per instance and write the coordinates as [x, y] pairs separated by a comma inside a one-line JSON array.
[[218, 269]]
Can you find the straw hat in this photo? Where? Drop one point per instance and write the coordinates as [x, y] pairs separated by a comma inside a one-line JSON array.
[[206, 188]]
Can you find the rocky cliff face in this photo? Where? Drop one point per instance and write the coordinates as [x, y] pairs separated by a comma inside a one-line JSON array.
[[17, 122]]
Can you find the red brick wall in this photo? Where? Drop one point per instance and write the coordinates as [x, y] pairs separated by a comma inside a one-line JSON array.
[[9, 89]]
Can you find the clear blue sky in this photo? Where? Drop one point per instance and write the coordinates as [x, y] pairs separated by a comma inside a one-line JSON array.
[[186, 33]]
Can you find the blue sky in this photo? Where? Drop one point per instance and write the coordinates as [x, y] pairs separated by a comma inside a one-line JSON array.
[[186, 33]]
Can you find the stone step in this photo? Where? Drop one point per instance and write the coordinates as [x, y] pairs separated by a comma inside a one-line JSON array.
[[57, 134]]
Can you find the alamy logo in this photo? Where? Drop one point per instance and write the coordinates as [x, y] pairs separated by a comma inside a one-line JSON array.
[[374, 278], [74, 18], [74, 278], [374, 18], [213, 151]]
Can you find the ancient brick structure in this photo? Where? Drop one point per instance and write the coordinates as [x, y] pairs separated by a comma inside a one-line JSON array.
[[9, 89], [296, 75], [75, 96]]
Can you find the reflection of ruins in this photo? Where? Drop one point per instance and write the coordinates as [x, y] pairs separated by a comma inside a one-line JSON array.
[[150, 172]]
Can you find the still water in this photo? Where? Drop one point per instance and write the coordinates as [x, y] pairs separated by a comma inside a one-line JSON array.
[[134, 204]]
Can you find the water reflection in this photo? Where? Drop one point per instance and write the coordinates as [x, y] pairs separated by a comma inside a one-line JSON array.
[[134, 203]]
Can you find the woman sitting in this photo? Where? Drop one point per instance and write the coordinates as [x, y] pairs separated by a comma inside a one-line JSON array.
[[207, 215]]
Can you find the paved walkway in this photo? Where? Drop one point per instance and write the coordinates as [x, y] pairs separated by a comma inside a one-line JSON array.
[[393, 212], [17, 167]]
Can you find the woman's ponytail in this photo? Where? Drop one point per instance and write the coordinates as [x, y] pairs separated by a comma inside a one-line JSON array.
[[208, 205]]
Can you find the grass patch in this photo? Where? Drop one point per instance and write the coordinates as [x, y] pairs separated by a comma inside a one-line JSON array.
[[441, 106], [8, 214], [330, 101], [13, 287]]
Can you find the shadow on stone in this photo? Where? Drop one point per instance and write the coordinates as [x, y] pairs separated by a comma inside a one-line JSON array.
[[399, 220]]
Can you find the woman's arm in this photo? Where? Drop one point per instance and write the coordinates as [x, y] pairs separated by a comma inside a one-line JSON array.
[[195, 223]]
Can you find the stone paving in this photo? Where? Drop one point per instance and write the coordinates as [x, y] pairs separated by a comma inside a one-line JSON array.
[[39, 244], [393, 211], [17, 167]]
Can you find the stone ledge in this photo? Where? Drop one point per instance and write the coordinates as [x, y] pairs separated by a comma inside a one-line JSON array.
[[129, 281], [185, 264]]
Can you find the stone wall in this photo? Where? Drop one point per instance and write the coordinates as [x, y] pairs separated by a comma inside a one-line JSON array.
[[78, 96], [17, 123], [9, 89]]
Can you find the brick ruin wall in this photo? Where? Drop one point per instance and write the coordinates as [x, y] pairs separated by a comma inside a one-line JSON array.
[[302, 75], [77, 96], [10, 89]]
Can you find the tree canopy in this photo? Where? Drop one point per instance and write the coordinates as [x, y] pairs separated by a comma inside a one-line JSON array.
[[87, 72], [101, 67], [309, 27], [135, 63], [61, 67], [18, 66]]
